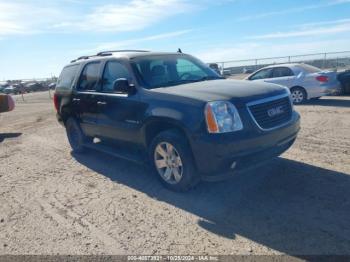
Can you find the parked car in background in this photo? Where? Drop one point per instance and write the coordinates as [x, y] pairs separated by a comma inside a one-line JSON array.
[[215, 67], [9, 90], [247, 70], [304, 81], [344, 79], [3, 85], [52, 86], [33, 87]]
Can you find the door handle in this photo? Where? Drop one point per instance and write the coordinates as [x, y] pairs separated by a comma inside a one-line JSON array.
[[76, 100], [101, 103]]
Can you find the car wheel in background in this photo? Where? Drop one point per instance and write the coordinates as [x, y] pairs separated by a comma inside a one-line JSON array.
[[172, 159], [298, 95]]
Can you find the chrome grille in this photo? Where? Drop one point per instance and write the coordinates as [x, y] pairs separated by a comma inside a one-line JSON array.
[[272, 113]]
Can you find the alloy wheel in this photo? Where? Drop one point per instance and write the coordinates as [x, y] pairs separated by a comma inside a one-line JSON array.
[[297, 96], [168, 163]]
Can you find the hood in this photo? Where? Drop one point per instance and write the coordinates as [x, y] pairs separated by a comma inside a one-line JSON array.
[[237, 91]]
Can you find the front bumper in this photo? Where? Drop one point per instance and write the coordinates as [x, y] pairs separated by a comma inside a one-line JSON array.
[[215, 154]]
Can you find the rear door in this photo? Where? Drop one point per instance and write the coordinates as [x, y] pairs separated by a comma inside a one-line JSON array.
[[282, 76], [119, 117], [84, 99]]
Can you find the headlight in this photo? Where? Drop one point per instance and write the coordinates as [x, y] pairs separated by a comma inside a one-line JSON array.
[[222, 117]]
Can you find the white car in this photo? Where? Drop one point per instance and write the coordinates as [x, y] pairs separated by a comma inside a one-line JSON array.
[[304, 81]]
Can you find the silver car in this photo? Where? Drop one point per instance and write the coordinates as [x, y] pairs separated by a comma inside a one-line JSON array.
[[304, 81]]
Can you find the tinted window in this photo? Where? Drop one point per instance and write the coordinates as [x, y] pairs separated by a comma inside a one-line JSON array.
[[67, 76], [113, 71], [282, 71], [262, 74], [89, 77], [168, 70], [309, 68]]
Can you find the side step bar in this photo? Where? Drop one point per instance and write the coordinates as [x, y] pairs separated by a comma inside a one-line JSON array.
[[130, 155]]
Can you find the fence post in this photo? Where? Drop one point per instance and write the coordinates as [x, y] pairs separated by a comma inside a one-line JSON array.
[[288, 59], [222, 68], [256, 64], [324, 60]]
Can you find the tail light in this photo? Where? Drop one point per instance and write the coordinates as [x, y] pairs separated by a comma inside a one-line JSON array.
[[322, 79], [55, 101]]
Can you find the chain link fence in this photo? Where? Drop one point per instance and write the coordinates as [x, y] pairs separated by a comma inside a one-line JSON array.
[[332, 60]]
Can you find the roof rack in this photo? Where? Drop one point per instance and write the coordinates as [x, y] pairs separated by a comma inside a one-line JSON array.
[[83, 58], [118, 51], [105, 53]]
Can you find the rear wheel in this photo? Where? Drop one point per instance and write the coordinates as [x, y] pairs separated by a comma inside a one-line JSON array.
[[75, 135], [298, 95], [173, 162]]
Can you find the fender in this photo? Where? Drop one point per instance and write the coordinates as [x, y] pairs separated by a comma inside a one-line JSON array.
[[160, 118]]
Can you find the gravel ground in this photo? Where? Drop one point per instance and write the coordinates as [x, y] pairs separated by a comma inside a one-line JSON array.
[[53, 202]]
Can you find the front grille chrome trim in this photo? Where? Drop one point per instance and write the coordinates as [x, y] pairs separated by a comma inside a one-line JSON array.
[[265, 100]]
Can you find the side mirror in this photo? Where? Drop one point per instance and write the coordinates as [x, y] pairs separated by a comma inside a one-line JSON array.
[[122, 85]]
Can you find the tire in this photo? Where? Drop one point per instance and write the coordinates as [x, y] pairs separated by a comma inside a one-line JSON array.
[[75, 136], [176, 175], [298, 95]]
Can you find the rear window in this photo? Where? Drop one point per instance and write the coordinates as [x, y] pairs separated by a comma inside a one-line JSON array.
[[282, 72], [310, 69], [67, 77]]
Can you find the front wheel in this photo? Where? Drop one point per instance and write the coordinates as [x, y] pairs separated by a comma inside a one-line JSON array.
[[173, 162], [298, 95]]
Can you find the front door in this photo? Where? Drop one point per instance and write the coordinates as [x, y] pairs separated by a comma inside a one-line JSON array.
[[119, 113]]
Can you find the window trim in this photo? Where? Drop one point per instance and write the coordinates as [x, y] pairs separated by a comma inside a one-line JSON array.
[[250, 78], [273, 71], [104, 66], [96, 86], [74, 77]]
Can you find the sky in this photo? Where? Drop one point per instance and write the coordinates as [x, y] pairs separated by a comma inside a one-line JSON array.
[[39, 37]]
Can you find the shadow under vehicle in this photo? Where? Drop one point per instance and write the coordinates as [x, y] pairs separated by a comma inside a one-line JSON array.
[[288, 206]]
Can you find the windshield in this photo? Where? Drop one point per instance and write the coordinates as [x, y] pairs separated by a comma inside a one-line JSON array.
[[168, 70]]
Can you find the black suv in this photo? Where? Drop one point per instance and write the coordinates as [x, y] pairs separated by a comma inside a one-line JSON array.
[[173, 111]]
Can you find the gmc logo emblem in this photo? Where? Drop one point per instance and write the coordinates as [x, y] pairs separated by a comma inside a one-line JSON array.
[[275, 111]]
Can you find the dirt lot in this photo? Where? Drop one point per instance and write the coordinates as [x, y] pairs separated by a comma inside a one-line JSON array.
[[52, 202]]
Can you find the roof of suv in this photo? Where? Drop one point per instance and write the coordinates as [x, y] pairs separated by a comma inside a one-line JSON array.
[[128, 54]]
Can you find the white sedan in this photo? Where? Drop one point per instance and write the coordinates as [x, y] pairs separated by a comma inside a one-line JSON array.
[[304, 81]]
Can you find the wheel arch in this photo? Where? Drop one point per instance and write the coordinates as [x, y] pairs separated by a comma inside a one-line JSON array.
[[160, 124]]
